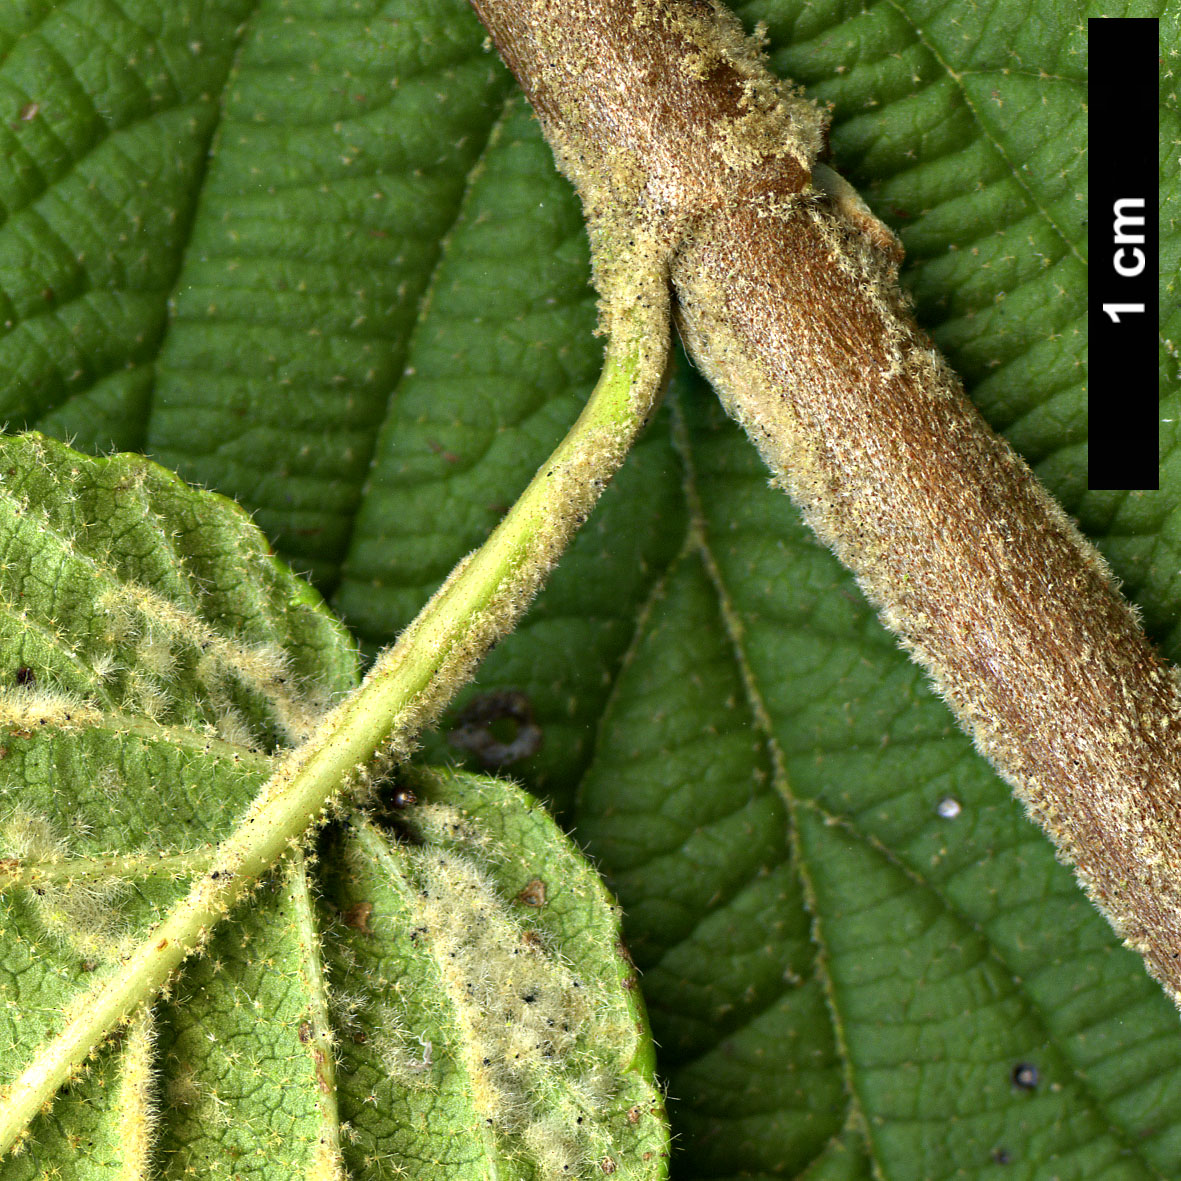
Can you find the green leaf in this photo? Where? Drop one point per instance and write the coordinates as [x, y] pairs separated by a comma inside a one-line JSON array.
[[520, 1017], [450, 989], [152, 652], [366, 316]]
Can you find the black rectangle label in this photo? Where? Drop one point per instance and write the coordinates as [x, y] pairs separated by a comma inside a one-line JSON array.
[[1122, 233]]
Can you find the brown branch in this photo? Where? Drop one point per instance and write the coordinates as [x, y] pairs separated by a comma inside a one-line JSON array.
[[664, 117]]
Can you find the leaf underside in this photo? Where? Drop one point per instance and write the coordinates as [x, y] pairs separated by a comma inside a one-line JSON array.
[[448, 990], [366, 316]]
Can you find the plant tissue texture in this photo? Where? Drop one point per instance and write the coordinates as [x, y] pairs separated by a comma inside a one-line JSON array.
[[317, 256], [447, 994]]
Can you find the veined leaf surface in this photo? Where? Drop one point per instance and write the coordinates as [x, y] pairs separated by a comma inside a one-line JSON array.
[[366, 316], [449, 994]]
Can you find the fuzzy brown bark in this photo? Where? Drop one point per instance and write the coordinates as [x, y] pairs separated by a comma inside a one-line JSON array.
[[668, 124]]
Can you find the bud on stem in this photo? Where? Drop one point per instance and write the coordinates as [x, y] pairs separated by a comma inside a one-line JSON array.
[[667, 122]]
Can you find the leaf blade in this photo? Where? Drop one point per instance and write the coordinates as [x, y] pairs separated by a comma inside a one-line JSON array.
[[297, 299]]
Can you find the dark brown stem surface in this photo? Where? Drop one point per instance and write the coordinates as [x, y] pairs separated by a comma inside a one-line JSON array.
[[668, 124]]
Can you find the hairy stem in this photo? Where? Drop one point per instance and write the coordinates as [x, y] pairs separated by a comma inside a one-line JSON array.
[[124, 866], [407, 687], [663, 116]]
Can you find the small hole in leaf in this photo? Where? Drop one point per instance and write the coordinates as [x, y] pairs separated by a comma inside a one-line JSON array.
[[1025, 1076], [504, 730], [498, 728], [25, 678]]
